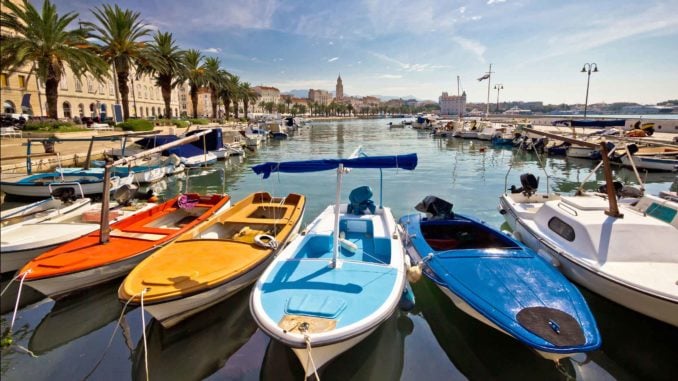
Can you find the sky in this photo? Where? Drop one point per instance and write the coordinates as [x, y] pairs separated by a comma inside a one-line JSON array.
[[419, 47]]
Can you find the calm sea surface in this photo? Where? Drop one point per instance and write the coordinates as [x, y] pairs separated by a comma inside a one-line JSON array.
[[76, 338]]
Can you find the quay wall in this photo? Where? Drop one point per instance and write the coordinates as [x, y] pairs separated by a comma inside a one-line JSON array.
[[661, 125]]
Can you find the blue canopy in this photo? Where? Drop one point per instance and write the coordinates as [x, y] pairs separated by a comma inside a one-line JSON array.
[[213, 141], [407, 161], [186, 150]]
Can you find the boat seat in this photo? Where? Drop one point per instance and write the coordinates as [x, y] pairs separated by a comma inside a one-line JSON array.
[[137, 235], [148, 230]]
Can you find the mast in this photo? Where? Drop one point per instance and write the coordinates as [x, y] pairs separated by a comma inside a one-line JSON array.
[[489, 80]]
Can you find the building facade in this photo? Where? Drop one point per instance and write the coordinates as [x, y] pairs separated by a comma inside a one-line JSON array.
[[319, 96], [452, 104]]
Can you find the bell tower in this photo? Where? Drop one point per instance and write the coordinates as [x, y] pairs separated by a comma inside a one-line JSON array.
[[340, 88]]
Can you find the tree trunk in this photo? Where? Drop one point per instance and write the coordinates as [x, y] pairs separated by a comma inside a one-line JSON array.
[[245, 104], [194, 100], [52, 94], [124, 93], [227, 107], [166, 88]]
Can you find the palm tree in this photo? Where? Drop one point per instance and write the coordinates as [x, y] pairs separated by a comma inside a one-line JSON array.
[[42, 38], [228, 91], [247, 95], [120, 35], [195, 75], [213, 80], [166, 62]]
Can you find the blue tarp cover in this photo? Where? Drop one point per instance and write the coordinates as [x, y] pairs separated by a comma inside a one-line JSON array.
[[186, 150], [407, 161]]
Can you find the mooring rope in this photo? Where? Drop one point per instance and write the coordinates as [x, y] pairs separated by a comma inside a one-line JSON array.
[[143, 331], [16, 308], [110, 341], [18, 298], [310, 358]]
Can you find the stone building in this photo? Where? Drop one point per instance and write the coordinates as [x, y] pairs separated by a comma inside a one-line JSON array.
[[339, 93], [319, 96], [452, 104]]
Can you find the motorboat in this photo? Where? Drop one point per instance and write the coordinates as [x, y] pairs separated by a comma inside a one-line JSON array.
[[341, 278], [215, 259], [92, 259], [42, 184], [629, 260], [499, 281], [189, 154], [63, 201]]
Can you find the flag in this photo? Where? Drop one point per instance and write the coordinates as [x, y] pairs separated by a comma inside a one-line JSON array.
[[486, 76]]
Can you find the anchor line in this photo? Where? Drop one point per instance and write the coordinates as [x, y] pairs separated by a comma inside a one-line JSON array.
[[18, 298], [143, 332], [310, 357]]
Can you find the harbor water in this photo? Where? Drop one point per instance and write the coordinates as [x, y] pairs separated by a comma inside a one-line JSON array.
[[78, 337]]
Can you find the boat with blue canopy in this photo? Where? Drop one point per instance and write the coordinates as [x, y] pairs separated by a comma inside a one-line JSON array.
[[190, 155], [499, 281], [341, 277]]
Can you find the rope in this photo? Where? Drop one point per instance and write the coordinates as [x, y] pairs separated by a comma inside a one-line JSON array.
[[143, 331], [309, 360], [9, 284], [18, 298], [110, 341]]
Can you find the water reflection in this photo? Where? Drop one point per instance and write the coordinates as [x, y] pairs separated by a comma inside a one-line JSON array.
[[75, 316], [198, 346]]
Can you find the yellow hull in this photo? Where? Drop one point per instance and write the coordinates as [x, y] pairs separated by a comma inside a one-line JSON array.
[[222, 248]]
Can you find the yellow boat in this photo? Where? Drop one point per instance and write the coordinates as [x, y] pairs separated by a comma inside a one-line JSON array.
[[215, 259]]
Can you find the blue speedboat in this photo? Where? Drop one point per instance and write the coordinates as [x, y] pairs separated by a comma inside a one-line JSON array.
[[499, 281], [341, 278]]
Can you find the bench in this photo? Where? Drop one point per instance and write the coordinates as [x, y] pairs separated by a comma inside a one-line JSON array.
[[10, 132]]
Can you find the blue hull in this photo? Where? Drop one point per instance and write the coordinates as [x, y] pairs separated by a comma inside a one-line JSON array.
[[504, 281]]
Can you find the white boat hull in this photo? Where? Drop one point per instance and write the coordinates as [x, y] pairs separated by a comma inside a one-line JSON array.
[[43, 190], [579, 152], [652, 163], [613, 289], [11, 261]]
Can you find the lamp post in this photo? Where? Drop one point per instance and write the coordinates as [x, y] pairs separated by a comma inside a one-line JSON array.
[[588, 68], [498, 87]]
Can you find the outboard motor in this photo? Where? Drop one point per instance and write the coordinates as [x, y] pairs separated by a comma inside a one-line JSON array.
[[66, 194], [125, 194], [435, 208], [529, 183], [360, 200], [618, 186]]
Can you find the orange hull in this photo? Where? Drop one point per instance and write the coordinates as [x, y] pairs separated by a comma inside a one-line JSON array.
[[138, 235]]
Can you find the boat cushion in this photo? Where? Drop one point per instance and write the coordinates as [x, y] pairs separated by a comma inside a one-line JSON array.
[[315, 305], [553, 325]]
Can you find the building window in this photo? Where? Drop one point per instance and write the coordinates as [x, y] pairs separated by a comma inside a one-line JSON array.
[[8, 107], [561, 228], [81, 110], [90, 85], [67, 110], [3, 80], [101, 88], [110, 89], [22, 81], [78, 85], [63, 83], [146, 92]]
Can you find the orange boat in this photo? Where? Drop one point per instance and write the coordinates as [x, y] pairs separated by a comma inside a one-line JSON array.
[[85, 261]]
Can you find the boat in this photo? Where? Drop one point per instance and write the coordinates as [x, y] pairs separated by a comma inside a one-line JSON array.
[[146, 173], [214, 260], [628, 260], [22, 244], [63, 201], [189, 154], [651, 158], [213, 142], [91, 260], [396, 125], [499, 281], [341, 278], [470, 130], [42, 184]]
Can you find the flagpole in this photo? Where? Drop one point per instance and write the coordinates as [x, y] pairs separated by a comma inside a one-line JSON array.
[[489, 80]]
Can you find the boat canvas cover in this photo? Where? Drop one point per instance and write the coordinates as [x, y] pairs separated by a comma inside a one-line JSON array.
[[186, 150], [213, 141], [407, 161]]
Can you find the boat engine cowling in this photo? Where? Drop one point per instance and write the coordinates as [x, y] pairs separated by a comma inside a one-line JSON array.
[[529, 185], [65, 194], [435, 208]]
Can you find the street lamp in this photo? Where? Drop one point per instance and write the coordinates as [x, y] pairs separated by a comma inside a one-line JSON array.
[[498, 87], [588, 68]]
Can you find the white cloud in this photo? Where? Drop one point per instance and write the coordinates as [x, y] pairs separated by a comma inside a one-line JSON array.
[[212, 50], [390, 76], [462, 9], [413, 67], [490, 2], [333, 59], [474, 47], [331, 43]]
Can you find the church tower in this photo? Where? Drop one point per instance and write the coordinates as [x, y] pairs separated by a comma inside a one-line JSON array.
[[340, 89]]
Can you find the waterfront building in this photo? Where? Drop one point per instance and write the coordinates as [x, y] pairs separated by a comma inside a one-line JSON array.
[[452, 104], [371, 101], [319, 96], [339, 94]]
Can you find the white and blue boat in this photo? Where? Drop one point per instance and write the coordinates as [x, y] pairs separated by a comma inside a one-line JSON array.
[[341, 278], [41, 185], [189, 154], [499, 281]]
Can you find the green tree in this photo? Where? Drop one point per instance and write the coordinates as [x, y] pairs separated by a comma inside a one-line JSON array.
[[228, 91], [247, 95], [45, 40], [195, 75], [165, 61], [213, 80], [120, 36]]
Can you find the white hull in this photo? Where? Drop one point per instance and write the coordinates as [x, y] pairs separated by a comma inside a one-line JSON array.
[[38, 212], [150, 176], [54, 287], [469, 134], [652, 163], [593, 279], [11, 261], [43, 190], [579, 152], [198, 160], [323, 355]]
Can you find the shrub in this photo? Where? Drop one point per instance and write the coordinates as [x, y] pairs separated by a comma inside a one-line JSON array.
[[47, 125], [199, 121], [181, 123], [136, 125]]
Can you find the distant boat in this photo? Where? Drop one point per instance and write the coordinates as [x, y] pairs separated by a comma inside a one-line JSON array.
[[499, 281], [63, 201], [42, 184], [341, 278], [213, 142], [190, 155]]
